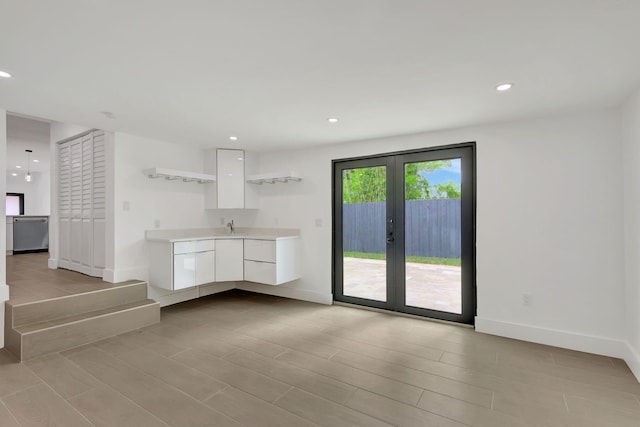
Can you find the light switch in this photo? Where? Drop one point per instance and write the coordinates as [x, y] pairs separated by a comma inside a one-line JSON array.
[[126, 206], [318, 222]]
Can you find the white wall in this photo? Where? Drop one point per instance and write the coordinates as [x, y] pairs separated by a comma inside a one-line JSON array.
[[549, 223], [631, 151], [37, 200], [22, 134], [175, 204], [4, 289]]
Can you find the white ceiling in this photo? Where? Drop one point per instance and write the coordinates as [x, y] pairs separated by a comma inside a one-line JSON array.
[[272, 72]]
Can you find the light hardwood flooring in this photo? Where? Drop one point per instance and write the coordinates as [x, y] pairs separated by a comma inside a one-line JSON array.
[[247, 359], [30, 279]]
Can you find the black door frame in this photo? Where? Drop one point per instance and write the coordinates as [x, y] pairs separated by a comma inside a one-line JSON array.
[[395, 204]]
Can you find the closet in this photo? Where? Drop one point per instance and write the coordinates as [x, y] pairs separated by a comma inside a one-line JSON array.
[[82, 203]]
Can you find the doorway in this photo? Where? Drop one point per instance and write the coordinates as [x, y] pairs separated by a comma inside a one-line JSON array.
[[404, 232]]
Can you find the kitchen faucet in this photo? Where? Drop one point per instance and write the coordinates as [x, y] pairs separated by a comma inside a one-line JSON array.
[[230, 225]]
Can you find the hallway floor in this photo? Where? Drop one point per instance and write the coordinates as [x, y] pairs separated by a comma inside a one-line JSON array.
[[30, 279], [239, 359]]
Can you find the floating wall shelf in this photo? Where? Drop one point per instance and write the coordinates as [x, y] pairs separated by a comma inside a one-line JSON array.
[[172, 174], [272, 178]]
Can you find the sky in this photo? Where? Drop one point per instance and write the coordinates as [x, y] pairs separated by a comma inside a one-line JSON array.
[[451, 173]]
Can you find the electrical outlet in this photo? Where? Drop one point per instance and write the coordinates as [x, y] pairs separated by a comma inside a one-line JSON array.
[[221, 221], [156, 223], [318, 222], [126, 206], [526, 300], [275, 221]]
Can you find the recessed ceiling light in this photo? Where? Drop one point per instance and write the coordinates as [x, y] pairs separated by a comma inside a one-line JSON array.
[[233, 138], [19, 167], [332, 120], [36, 161], [502, 87], [14, 174], [5, 74]]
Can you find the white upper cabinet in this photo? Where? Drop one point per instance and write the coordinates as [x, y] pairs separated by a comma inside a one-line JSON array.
[[231, 181], [231, 190]]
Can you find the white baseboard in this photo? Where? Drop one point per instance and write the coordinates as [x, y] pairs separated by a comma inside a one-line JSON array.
[[52, 263], [282, 291], [633, 360], [554, 337], [117, 276]]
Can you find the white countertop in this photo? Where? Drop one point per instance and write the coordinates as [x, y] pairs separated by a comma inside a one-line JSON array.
[[181, 235]]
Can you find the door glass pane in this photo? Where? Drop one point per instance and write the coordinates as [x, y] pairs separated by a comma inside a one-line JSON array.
[[433, 235], [364, 210]]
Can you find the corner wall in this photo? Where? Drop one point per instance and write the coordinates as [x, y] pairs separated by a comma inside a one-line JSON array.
[[631, 164], [549, 223], [140, 201], [4, 289]]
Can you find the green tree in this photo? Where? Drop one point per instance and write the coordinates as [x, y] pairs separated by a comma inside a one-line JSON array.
[[447, 190], [370, 184]]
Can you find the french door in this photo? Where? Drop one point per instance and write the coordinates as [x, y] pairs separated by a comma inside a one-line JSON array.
[[404, 232]]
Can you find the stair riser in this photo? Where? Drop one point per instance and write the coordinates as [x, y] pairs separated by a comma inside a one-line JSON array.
[[11, 337], [43, 311], [71, 335]]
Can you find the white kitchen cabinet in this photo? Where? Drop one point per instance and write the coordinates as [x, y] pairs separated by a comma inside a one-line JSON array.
[[271, 262], [205, 267], [231, 190], [231, 173], [229, 260], [181, 265], [184, 271]]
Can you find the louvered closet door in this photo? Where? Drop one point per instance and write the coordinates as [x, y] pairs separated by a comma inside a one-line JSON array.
[[98, 186], [85, 212], [64, 202], [76, 203], [81, 203]]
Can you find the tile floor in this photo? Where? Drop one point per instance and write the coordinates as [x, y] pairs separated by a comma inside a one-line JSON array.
[[247, 359], [30, 279]]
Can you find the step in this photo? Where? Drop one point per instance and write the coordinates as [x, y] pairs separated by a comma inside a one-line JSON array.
[[36, 339], [62, 307]]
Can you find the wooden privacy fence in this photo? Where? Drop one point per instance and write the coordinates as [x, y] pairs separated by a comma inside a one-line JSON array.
[[433, 227]]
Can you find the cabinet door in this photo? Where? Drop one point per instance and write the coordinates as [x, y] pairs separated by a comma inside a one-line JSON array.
[[205, 263], [260, 272], [229, 260], [230, 175], [260, 250], [184, 271]]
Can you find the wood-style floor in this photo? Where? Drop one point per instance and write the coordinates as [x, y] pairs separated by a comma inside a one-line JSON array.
[[246, 359]]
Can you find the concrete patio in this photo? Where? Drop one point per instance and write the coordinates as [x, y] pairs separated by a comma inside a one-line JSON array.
[[436, 287]]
